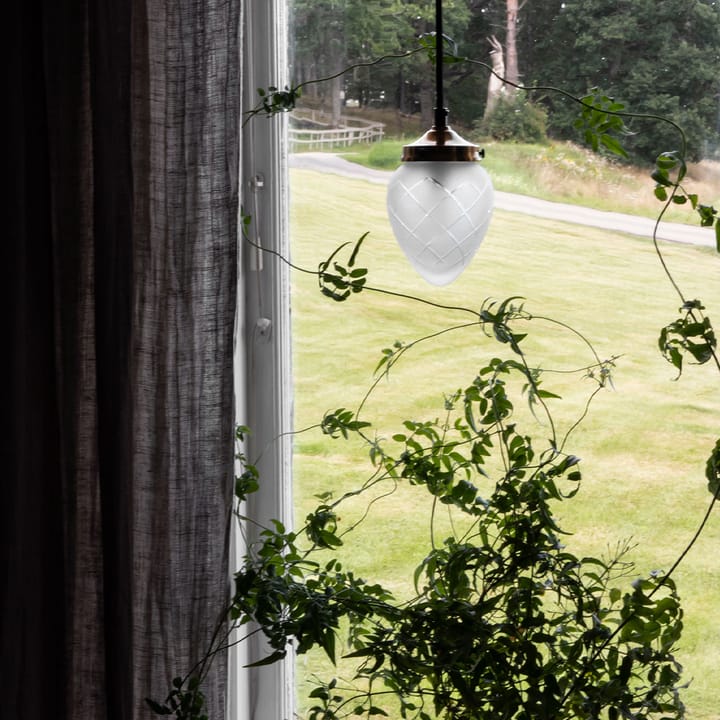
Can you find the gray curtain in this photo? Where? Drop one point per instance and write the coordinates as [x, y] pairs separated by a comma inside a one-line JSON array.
[[119, 269]]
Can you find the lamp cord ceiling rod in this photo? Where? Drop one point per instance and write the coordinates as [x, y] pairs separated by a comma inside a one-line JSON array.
[[440, 109]]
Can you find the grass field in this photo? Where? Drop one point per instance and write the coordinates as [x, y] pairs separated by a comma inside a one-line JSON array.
[[643, 446]]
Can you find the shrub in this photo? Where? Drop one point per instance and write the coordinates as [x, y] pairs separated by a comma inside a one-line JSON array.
[[515, 119]]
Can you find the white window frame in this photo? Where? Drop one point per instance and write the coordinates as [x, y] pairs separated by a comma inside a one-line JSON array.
[[263, 340]]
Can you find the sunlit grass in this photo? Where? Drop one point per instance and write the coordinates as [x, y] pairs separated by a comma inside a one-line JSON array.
[[644, 444]]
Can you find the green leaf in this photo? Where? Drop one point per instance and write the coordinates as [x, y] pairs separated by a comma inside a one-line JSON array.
[[320, 693], [328, 645], [707, 215], [712, 470], [667, 161], [591, 139], [661, 177], [269, 660], [157, 708], [328, 539], [362, 652], [613, 145], [548, 395], [717, 235]]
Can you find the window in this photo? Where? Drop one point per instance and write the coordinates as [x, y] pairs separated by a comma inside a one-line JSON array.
[[266, 198], [263, 357]]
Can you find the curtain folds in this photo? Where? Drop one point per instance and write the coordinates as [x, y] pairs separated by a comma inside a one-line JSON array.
[[120, 273]]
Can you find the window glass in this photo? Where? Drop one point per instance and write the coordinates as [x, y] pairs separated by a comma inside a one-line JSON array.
[[645, 441]]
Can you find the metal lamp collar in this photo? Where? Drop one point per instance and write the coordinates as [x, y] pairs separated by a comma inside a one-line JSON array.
[[441, 144], [444, 146]]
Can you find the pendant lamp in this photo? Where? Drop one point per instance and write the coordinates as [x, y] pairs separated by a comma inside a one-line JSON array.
[[440, 199]]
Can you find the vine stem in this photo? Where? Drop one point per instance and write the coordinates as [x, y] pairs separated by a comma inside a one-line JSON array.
[[690, 545], [662, 583], [641, 116], [369, 288], [260, 107], [622, 114]]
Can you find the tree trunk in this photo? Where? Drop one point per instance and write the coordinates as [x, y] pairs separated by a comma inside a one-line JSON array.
[[336, 101], [495, 84], [427, 101], [511, 58]]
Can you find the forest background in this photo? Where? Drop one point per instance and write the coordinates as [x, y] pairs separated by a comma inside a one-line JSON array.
[[659, 58]]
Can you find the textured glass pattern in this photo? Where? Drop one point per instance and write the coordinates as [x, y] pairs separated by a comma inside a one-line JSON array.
[[439, 212]]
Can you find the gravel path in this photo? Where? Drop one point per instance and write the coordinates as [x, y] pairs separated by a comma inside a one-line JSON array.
[[617, 222]]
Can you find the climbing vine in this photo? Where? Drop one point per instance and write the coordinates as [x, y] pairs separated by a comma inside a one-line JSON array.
[[504, 619]]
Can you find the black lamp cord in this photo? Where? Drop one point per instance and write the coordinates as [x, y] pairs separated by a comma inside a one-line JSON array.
[[440, 110]]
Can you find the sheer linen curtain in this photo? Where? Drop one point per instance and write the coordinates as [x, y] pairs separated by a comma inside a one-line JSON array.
[[120, 273]]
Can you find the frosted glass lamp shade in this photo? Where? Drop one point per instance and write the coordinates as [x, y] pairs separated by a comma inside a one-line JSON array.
[[439, 212]]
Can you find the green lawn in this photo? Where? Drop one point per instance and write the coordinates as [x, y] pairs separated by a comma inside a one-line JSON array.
[[643, 446]]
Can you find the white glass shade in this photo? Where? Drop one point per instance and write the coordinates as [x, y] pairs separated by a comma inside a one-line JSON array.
[[439, 212]]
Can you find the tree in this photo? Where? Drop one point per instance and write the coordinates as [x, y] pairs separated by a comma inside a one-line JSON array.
[[512, 71], [320, 48], [495, 83], [456, 17], [493, 35], [660, 58], [331, 35]]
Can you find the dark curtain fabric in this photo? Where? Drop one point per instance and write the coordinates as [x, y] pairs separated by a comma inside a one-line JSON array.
[[119, 274]]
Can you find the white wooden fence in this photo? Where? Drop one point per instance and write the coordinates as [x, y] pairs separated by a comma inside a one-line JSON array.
[[309, 130]]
